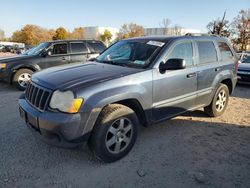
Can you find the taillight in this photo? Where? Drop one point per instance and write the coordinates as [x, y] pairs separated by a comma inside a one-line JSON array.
[[236, 66]]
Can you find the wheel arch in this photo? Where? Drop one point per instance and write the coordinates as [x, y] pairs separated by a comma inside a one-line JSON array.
[[135, 105], [19, 67], [228, 82]]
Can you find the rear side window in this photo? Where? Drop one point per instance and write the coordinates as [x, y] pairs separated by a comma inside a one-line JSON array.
[[183, 51], [78, 47], [225, 51], [96, 46], [207, 52]]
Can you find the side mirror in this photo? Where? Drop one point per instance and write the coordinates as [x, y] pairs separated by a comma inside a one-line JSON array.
[[172, 64]]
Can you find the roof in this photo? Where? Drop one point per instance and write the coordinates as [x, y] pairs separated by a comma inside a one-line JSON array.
[[168, 38], [73, 40]]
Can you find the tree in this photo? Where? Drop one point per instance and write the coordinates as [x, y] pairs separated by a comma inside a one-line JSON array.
[[106, 36], [177, 29], [219, 27], [31, 35], [130, 30], [60, 34], [241, 30], [165, 23], [78, 33], [2, 35]]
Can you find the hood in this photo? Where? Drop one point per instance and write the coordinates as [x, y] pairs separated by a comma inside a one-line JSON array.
[[244, 66], [72, 76], [14, 58]]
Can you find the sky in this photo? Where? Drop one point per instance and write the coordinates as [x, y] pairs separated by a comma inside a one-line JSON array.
[[192, 14]]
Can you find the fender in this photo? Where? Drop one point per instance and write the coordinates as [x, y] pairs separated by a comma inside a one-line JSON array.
[[32, 66], [99, 100], [223, 75]]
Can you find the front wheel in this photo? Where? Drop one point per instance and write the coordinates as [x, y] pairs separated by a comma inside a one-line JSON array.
[[115, 133], [219, 102], [21, 78]]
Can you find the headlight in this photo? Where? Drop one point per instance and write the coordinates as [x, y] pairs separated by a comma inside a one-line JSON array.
[[65, 102]]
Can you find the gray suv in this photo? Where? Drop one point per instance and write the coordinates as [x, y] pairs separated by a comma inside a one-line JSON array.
[[138, 81]]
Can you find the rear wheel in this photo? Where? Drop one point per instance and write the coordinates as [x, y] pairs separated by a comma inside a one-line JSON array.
[[115, 133], [21, 78], [219, 102]]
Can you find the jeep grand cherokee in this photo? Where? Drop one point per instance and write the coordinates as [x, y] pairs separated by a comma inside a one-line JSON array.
[[135, 82]]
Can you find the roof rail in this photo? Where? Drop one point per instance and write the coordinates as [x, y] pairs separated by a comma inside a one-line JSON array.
[[200, 34]]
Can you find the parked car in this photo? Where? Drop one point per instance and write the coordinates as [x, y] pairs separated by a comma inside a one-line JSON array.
[[18, 70], [134, 82], [1, 48], [244, 70]]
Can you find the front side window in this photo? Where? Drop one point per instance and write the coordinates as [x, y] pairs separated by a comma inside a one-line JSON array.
[[225, 51], [183, 51], [207, 52], [131, 53], [78, 47], [59, 49]]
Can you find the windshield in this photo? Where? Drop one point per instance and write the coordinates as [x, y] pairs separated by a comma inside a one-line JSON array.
[[136, 54], [246, 60], [36, 50]]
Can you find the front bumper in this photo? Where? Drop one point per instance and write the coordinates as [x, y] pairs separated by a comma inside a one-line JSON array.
[[59, 129], [243, 77], [4, 75]]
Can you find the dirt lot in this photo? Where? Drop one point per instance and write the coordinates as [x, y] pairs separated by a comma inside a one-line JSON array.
[[189, 151]]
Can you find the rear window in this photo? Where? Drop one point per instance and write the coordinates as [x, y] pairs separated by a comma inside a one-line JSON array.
[[78, 47], [207, 52], [225, 51], [96, 46]]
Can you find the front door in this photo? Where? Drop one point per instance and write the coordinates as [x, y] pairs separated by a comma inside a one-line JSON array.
[[57, 55], [175, 90]]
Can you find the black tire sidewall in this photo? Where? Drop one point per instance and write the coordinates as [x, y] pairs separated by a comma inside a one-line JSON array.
[[103, 125], [16, 76], [220, 88]]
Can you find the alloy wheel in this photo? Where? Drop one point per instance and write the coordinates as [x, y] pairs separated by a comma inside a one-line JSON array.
[[119, 135]]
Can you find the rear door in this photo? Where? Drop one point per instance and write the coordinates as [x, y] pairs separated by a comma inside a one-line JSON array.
[[175, 90], [59, 55], [208, 67], [79, 51]]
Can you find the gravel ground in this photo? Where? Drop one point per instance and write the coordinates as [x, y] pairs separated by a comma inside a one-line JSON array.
[[192, 150]]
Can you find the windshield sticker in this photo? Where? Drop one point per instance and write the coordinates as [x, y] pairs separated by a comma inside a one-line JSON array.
[[156, 43]]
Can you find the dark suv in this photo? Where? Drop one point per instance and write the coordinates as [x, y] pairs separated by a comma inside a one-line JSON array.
[[135, 82], [18, 69]]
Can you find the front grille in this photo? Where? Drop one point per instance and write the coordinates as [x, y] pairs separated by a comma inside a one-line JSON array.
[[37, 96]]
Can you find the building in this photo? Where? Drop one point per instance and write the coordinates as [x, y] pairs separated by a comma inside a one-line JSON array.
[[169, 31], [94, 32]]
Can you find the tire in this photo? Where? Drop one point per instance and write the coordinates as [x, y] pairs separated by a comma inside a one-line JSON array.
[[21, 78], [108, 133], [219, 103]]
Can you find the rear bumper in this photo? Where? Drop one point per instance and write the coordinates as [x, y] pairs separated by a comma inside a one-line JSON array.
[[58, 129]]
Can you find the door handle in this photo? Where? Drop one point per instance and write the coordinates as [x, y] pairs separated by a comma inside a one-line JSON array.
[[217, 69], [63, 58], [191, 75]]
